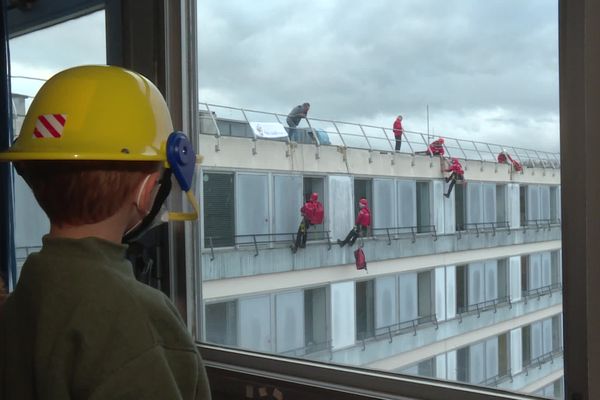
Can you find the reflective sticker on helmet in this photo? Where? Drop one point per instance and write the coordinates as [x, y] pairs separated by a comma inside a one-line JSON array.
[[49, 126]]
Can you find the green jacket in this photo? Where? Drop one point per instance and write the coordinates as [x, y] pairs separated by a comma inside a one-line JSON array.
[[79, 326]]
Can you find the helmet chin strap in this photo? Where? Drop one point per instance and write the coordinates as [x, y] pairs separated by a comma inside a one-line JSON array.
[[181, 162], [146, 223]]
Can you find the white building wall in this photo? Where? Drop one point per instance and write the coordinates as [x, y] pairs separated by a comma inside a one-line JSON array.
[[384, 203], [513, 210], [408, 296], [386, 301], [450, 213], [451, 369], [489, 202], [343, 314], [289, 320], [254, 327], [440, 366], [477, 363], [546, 267], [533, 202], [437, 203], [340, 218], [491, 279], [450, 291], [440, 293], [407, 203], [516, 350], [32, 222], [476, 283], [474, 210], [535, 271], [544, 202], [491, 357], [536, 340], [514, 276], [547, 336]]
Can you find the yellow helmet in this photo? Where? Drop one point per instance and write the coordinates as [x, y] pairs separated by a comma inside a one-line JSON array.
[[94, 113]]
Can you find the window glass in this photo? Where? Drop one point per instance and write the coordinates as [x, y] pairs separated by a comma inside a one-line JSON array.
[[35, 57], [478, 268]]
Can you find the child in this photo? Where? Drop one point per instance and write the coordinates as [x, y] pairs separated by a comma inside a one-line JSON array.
[[312, 214], [363, 221], [456, 173], [78, 325]]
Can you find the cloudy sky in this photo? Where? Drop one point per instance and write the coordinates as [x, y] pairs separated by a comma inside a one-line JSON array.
[[487, 69]]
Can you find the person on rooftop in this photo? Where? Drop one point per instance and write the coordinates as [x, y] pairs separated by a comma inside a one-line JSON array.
[[294, 118], [398, 131], [436, 148], [505, 158]]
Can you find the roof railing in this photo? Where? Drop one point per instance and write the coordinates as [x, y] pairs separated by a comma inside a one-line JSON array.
[[362, 136]]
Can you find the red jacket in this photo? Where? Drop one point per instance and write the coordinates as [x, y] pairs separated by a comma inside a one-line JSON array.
[[364, 217], [398, 130], [436, 148], [456, 167], [313, 211], [502, 158]]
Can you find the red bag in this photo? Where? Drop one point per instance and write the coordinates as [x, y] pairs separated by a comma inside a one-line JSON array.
[[359, 257], [318, 214]]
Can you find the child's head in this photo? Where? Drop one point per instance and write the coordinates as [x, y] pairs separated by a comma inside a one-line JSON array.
[[74, 193], [93, 143]]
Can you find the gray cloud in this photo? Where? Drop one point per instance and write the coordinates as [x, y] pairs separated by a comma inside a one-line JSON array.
[[368, 61]]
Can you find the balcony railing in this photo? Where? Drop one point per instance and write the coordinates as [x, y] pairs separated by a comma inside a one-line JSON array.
[[542, 291], [497, 379], [221, 121], [260, 240], [478, 308], [540, 224], [400, 328], [482, 227], [401, 232], [543, 359], [310, 349]]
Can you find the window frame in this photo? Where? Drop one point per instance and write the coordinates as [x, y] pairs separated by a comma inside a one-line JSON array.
[[580, 89]]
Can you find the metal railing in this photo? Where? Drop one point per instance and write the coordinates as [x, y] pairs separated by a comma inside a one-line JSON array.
[[310, 349], [389, 331], [498, 379], [541, 360], [540, 224], [221, 121], [480, 307], [401, 232], [541, 291], [482, 227], [262, 239], [22, 252]]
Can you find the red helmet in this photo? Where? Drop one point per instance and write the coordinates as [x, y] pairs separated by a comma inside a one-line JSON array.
[[455, 161], [314, 196], [363, 202], [440, 140]]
